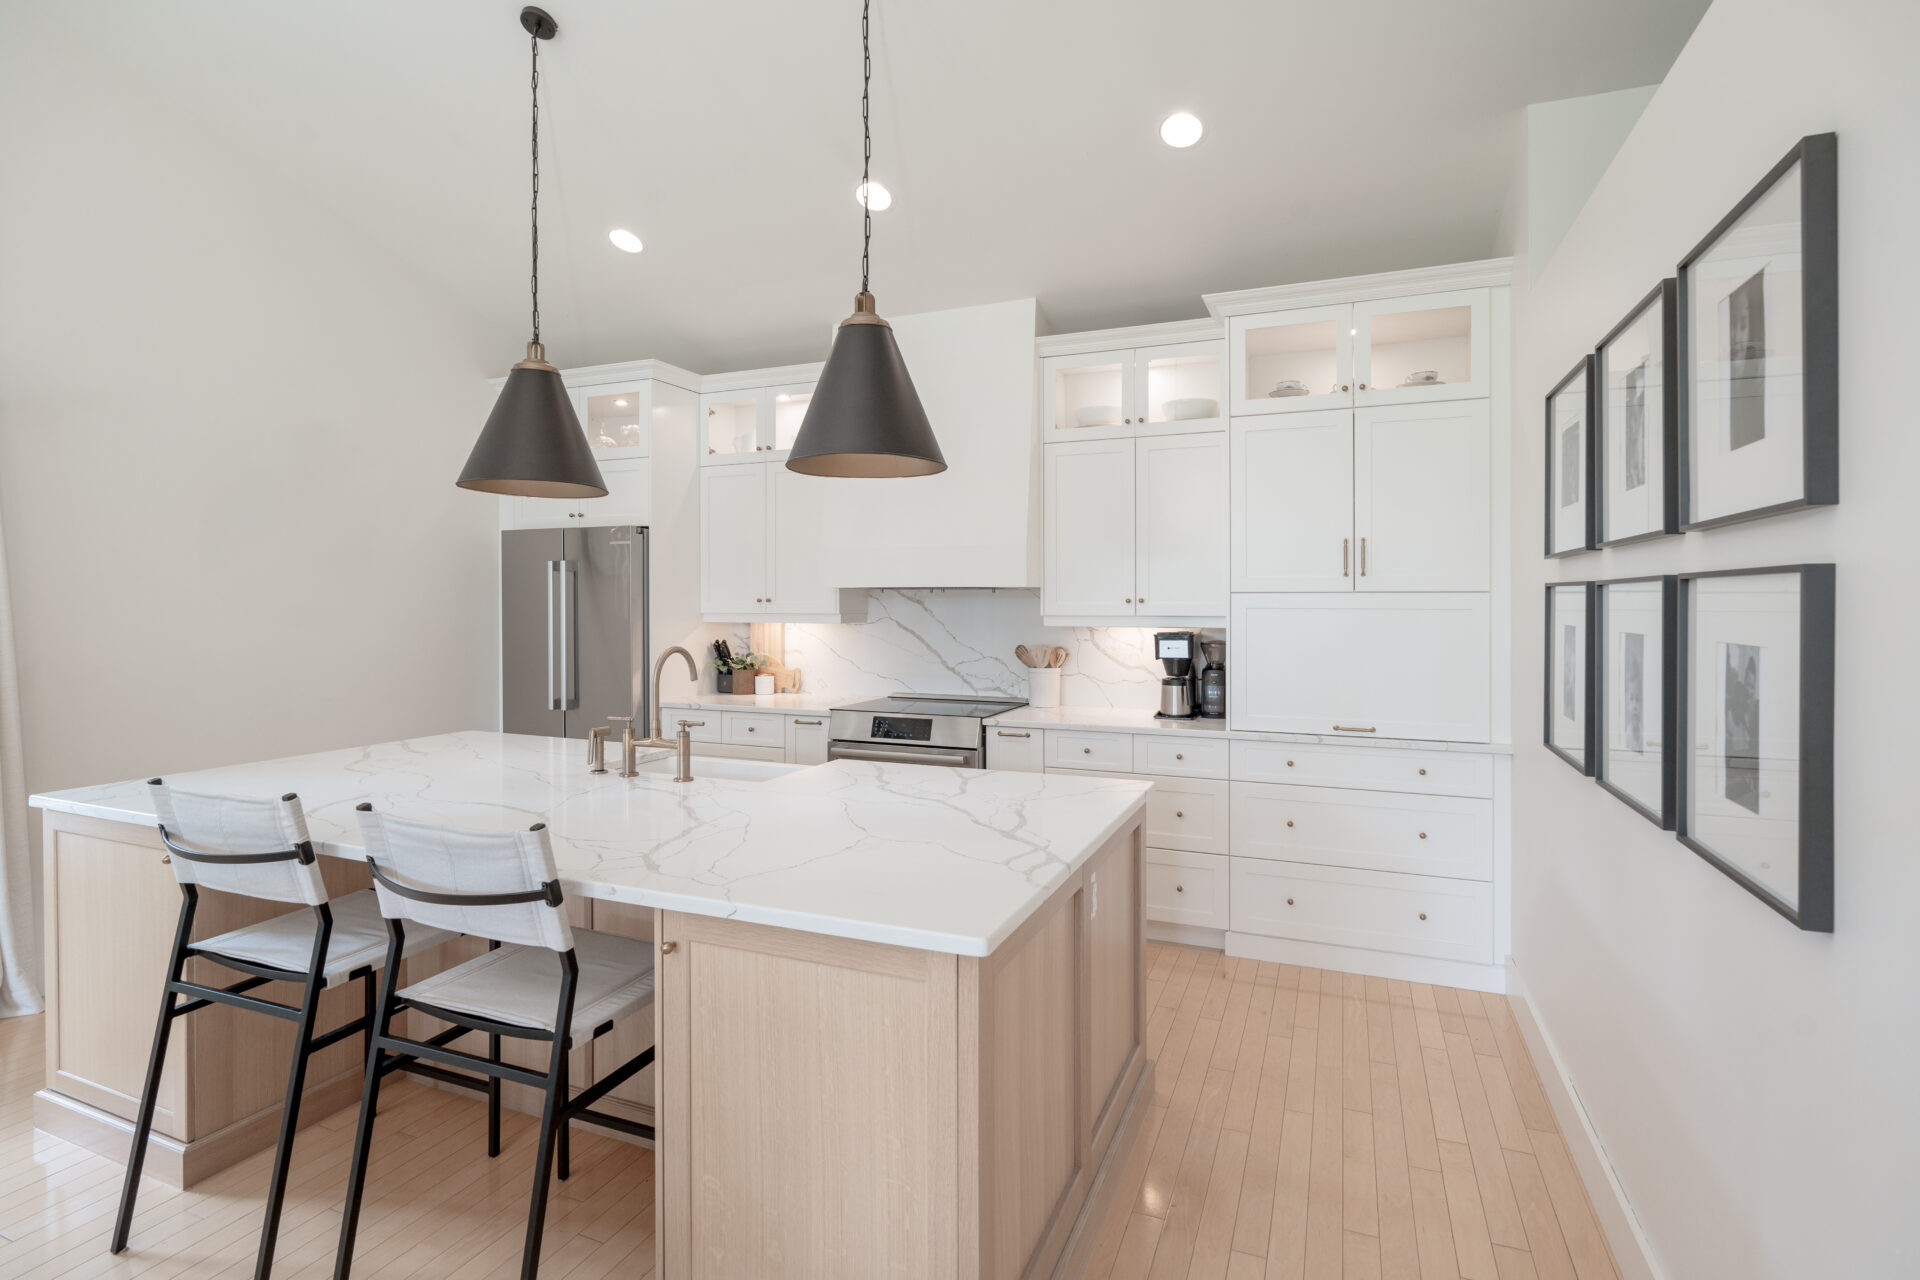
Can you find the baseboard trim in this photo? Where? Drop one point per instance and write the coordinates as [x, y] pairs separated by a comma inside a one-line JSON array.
[[1374, 964], [1187, 935], [1631, 1249]]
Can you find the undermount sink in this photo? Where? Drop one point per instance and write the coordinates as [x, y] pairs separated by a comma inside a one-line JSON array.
[[721, 767]]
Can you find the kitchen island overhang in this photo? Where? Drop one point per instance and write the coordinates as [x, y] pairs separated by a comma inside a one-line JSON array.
[[939, 970]]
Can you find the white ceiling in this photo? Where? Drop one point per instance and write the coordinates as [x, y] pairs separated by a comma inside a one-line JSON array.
[[1019, 137]]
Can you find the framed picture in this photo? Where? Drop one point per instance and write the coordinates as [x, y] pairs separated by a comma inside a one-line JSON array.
[[1760, 350], [1636, 423], [1756, 721], [1569, 727], [1635, 633], [1570, 462]]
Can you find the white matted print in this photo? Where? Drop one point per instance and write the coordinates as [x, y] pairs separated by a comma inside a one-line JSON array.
[[1743, 760], [1566, 692], [1633, 395], [1568, 526], [1633, 739]]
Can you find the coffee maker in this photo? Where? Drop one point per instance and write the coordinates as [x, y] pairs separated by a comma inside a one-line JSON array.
[[1178, 652]]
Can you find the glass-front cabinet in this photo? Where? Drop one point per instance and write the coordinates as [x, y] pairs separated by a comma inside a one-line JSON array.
[[614, 417], [1135, 391], [755, 424], [1383, 352]]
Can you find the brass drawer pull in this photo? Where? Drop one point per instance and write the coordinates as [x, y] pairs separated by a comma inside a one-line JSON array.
[[1179, 813], [1289, 901], [1289, 821], [1086, 751], [667, 948], [1003, 733], [1179, 756], [809, 721], [1350, 728], [1423, 915], [1423, 773], [1179, 888]]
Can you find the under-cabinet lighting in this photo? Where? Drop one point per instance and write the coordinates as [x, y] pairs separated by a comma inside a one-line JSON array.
[[878, 201], [619, 404], [1181, 129], [624, 240]]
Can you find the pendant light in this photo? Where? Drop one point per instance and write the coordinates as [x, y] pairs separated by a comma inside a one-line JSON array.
[[865, 418], [532, 445]]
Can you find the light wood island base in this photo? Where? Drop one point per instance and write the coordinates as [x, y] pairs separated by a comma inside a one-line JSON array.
[[842, 1109]]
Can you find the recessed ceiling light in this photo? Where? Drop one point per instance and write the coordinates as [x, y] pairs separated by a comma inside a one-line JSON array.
[[625, 240], [1181, 129], [880, 200]]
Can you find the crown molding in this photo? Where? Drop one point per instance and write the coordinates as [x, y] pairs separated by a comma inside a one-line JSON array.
[[1203, 329], [1491, 272], [749, 379]]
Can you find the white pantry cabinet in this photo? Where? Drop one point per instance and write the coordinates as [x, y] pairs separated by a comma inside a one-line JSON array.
[[1399, 665], [1408, 350], [1386, 499], [759, 547], [1137, 529]]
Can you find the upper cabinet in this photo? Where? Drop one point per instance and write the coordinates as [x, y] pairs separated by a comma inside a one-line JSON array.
[[617, 412], [753, 424], [1127, 391], [1349, 355], [760, 547]]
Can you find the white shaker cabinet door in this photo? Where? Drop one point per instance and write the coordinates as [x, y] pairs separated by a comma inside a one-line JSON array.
[[795, 583], [733, 541], [1090, 528], [629, 497], [1422, 497], [1406, 665], [1292, 502], [1180, 486]]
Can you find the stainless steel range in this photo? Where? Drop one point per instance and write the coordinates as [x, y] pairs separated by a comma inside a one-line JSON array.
[[917, 728]]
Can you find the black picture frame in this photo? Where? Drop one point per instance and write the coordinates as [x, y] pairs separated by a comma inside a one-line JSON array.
[[1814, 912], [1669, 659], [1666, 297], [1817, 157], [1584, 369], [1583, 762]]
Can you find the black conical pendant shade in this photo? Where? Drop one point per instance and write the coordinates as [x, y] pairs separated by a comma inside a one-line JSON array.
[[532, 445], [865, 419]]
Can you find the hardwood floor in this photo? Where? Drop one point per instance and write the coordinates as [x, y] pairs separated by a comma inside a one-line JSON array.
[[1306, 1124]]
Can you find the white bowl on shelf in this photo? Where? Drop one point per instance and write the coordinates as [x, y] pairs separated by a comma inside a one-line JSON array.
[[1422, 378], [1288, 387], [1190, 407], [1097, 415]]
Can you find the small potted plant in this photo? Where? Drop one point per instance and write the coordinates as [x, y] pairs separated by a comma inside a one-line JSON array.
[[736, 672]]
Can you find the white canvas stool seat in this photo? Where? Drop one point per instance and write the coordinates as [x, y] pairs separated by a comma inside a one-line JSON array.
[[358, 940], [519, 984], [541, 980]]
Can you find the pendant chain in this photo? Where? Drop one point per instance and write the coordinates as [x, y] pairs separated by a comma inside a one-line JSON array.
[[536, 188], [866, 139]]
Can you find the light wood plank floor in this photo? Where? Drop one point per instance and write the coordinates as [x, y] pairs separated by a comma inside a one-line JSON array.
[[1306, 1124]]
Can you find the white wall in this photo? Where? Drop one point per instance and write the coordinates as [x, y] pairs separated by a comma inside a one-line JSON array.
[[228, 437], [1751, 1085], [1569, 144]]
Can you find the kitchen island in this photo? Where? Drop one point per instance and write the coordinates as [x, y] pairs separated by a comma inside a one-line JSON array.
[[898, 1021]]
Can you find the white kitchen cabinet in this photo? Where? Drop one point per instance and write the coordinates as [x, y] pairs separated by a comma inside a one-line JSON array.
[[1017, 750], [616, 419], [1436, 773], [629, 497], [1103, 395], [1402, 665], [760, 547], [616, 416], [1375, 910], [1180, 526], [1373, 830], [1422, 497], [1090, 529], [806, 739], [1292, 502], [1185, 888], [1422, 348], [734, 537], [746, 424], [1102, 752]]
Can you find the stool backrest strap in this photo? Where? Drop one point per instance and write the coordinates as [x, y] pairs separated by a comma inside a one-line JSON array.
[[239, 844], [499, 885]]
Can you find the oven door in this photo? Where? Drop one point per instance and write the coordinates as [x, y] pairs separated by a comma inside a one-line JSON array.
[[900, 753]]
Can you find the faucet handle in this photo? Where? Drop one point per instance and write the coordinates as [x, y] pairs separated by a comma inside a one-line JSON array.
[[627, 720], [691, 724]]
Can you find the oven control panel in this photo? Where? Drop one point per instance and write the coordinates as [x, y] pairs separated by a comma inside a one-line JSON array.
[[902, 729]]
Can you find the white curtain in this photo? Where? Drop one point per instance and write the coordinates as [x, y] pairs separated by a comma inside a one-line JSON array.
[[19, 946]]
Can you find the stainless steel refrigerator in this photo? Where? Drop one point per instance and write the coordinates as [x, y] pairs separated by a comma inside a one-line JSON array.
[[573, 629]]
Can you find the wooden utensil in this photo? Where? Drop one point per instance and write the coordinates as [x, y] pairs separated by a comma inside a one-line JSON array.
[[1021, 652], [1058, 658]]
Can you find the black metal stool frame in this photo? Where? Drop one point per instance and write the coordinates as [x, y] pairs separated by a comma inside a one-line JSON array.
[[312, 982], [432, 1057]]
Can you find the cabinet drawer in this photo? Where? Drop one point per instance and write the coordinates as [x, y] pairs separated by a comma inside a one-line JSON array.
[[1187, 813], [1184, 888], [1418, 915], [1379, 831], [1176, 755], [748, 730], [1023, 750], [1108, 752], [1434, 773]]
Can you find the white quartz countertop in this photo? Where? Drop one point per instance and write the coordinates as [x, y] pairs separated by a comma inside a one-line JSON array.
[[1127, 720], [940, 859], [781, 703]]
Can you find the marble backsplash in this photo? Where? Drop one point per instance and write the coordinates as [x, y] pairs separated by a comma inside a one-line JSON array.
[[961, 641]]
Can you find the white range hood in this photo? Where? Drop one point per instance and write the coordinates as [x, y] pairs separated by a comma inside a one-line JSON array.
[[977, 524]]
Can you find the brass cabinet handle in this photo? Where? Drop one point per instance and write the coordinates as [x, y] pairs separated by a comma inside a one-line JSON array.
[[1129, 599], [1423, 915], [666, 948], [1423, 773], [1179, 755], [1003, 733], [1361, 386], [1363, 557], [1179, 888], [166, 859], [1179, 813], [1343, 386], [750, 729], [809, 721], [1086, 751], [1423, 835], [1349, 728], [1289, 821], [1289, 764], [1346, 546], [1289, 901]]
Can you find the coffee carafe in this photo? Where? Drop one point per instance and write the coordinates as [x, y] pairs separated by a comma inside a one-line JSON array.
[[1180, 691], [1213, 680]]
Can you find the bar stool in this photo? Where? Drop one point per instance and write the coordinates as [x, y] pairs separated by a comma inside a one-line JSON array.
[[542, 980], [258, 849]]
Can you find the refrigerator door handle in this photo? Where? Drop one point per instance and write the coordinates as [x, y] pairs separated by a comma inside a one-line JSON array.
[[553, 667], [569, 678]]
